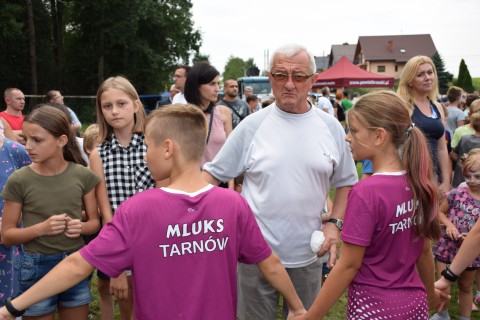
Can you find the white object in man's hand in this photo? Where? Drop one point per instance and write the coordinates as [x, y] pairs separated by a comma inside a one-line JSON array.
[[317, 240]]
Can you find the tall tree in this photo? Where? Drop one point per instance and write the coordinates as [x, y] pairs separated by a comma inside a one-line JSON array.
[[464, 80], [32, 48], [235, 68], [201, 57], [23, 53], [250, 63], [79, 43], [144, 44], [57, 11], [444, 77], [14, 54]]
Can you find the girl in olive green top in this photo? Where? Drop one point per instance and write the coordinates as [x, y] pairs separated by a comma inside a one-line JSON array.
[[48, 197]]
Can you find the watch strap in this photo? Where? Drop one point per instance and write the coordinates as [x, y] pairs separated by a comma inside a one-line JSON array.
[[337, 222]]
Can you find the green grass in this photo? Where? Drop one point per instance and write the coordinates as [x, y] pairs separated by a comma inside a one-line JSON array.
[[94, 306]]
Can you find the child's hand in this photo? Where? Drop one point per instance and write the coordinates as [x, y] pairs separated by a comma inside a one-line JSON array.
[[119, 287], [5, 315], [54, 225], [438, 300], [444, 286], [73, 227], [452, 232], [296, 315]]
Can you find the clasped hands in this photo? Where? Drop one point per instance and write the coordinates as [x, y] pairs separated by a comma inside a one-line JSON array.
[[62, 223]]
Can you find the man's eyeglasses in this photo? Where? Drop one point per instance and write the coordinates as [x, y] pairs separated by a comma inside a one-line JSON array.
[[176, 76], [296, 77]]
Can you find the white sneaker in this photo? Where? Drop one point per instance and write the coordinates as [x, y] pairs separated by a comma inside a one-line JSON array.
[[438, 316]]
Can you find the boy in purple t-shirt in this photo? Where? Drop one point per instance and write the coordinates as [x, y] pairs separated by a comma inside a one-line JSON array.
[[181, 242]]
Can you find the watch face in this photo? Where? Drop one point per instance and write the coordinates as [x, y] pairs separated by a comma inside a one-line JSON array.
[[340, 224]]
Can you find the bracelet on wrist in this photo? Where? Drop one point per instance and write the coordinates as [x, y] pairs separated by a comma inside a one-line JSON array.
[[448, 274], [13, 311]]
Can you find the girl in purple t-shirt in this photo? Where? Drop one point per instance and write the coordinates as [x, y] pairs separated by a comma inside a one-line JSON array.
[[386, 260], [459, 212]]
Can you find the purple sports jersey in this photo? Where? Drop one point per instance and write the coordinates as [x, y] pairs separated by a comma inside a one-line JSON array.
[[183, 251], [379, 217]]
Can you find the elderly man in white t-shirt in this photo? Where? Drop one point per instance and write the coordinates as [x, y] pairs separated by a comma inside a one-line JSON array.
[[290, 154]]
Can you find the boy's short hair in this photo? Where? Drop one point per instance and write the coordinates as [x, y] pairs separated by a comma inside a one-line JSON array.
[[475, 121], [185, 124], [454, 93], [470, 98], [90, 138]]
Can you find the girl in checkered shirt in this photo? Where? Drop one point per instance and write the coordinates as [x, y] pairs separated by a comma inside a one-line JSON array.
[[119, 162]]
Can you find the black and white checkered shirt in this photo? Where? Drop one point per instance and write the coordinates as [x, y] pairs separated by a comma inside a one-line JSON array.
[[126, 172]]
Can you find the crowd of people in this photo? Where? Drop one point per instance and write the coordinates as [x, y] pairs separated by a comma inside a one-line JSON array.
[[207, 208]]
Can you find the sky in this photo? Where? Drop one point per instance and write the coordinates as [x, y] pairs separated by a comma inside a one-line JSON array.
[[255, 28]]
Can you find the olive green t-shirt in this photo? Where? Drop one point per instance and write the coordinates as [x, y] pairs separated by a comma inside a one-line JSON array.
[[44, 196]]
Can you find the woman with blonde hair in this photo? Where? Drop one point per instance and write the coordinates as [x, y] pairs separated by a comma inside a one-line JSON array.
[[419, 87]]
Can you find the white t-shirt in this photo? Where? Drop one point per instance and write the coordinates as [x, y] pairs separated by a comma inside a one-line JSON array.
[[179, 98], [324, 103], [289, 162]]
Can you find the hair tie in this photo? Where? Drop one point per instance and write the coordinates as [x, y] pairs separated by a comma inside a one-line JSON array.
[[410, 128]]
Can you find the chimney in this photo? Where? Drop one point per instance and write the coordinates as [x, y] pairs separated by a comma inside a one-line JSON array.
[[390, 45]]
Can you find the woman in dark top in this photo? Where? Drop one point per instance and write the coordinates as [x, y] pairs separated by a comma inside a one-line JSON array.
[[419, 86]]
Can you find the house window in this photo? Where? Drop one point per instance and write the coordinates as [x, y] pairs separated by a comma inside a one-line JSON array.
[[380, 68], [396, 68]]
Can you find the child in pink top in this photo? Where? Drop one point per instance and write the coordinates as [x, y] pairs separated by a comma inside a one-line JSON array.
[[386, 260]]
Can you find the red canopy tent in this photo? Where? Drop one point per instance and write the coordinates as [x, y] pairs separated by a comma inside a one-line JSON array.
[[347, 75]]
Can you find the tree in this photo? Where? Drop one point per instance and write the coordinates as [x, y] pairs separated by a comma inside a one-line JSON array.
[[201, 57], [444, 77], [236, 67], [22, 53], [32, 48], [77, 44], [144, 44], [464, 80], [251, 68], [14, 56]]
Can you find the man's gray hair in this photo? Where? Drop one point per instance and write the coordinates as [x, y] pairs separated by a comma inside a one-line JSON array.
[[290, 50]]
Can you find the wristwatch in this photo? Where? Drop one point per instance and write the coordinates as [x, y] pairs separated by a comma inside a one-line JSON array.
[[338, 223]]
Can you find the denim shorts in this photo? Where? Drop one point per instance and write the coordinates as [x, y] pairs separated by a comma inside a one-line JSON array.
[[33, 267]]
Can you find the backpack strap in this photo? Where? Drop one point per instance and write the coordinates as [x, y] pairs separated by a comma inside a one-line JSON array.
[[233, 109]]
